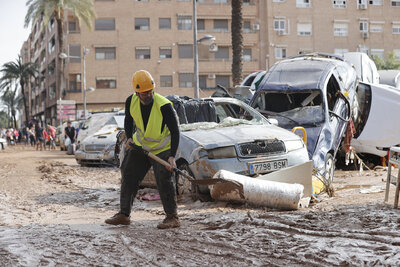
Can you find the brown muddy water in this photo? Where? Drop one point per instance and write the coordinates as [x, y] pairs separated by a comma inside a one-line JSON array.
[[52, 213]]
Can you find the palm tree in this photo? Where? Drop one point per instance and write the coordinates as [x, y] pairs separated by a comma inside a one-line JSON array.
[[21, 73], [237, 41], [13, 102], [45, 10]]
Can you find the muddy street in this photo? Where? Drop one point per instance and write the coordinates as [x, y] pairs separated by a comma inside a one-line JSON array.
[[52, 212]]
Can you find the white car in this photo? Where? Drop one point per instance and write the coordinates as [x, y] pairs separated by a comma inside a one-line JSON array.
[[94, 123], [95, 148], [365, 67], [390, 77], [379, 127], [3, 143]]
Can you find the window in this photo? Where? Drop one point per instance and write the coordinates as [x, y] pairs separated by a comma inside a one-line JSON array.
[[185, 79], [246, 26], [165, 52], [340, 51], [106, 83], [303, 3], [280, 52], [105, 53], [164, 23], [376, 28], [362, 4], [52, 91], [220, 1], [142, 24], [185, 51], [278, 1], [52, 67], [184, 22], [220, 25], [222, 53], [339, 3], [203, 81], [75, 53], [340, 29], [142, 52], [363, 26], [74, 82], [72, 27], [246, 2], [376, 2], [395, 2], [165, 81], [378, 53], [304, 29], [280, 26], [201, 25], [246, 54], [104, 24], [396, 29], [52, 45], [141, 0], [223, 80], [397, 54]]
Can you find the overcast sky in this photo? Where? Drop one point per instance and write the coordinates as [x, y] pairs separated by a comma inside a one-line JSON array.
[[12, 31]]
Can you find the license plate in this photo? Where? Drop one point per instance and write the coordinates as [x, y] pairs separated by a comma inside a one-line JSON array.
[[266, 166], [92, 156]]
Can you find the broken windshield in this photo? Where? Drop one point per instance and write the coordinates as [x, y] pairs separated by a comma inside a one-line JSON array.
[[291, 108], [228, 115]]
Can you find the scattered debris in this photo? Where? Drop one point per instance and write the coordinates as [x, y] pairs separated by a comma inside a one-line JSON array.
[[372, 189]]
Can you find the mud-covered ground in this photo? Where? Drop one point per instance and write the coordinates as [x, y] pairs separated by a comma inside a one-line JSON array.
[[52, 214]]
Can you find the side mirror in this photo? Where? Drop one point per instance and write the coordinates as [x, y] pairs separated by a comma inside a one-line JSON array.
[[273, 121]]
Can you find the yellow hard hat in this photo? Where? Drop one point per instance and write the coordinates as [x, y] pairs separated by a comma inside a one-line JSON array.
[[142, 81]]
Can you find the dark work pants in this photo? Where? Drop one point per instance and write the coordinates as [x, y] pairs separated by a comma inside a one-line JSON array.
[[134, 168]]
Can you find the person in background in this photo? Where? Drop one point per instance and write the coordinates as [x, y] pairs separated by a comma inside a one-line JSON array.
[[52, 137], [45, 139], [16, 135], [39, 136], [32, 137], [70, 132], [25, 132]]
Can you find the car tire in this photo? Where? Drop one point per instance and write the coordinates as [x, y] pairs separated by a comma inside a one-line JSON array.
[[329, 167], [183, 186]]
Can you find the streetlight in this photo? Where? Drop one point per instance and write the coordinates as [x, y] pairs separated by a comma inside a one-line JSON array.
[[85, 52], [207, 39]]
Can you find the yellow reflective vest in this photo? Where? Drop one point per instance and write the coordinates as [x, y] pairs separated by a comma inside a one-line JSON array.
[[151, 139]]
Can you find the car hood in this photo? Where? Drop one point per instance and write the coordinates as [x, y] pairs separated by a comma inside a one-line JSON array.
[[106, 135], [3, 140], [229, 136]]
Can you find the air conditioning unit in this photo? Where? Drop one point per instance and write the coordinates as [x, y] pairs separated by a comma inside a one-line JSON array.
[[365, 34], [211, 76], [363, 6], [213, 48], [281, 32], [256, 27], [78, 77]]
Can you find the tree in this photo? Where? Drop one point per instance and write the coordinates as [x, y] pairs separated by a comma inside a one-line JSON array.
[[21, 73], [237, 41], [390, 63], [11, 99], [45, 10]]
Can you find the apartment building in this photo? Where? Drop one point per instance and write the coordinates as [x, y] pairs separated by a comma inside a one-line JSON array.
[[129, 35], [157, 35], [291, 27]]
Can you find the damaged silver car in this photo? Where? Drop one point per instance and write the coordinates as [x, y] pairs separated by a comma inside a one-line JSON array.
[[316, 92], [228, 134]]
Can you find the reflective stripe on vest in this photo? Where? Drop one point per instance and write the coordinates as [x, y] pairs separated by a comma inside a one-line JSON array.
[[151, 139]]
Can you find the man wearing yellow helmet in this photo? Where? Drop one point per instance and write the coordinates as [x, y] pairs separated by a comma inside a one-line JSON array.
[[157, 131]]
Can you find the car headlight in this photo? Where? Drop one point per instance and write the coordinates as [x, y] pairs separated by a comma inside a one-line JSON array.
[[109, 148], [223, 152], [294, 145]]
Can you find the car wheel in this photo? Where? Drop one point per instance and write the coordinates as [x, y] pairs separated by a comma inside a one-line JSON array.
[[329, 167], [183, 186]]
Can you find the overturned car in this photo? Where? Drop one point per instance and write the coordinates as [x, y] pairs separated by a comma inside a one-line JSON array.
[[316, 92]]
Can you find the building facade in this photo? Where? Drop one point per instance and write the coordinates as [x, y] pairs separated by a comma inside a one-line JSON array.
[[157, 35]]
